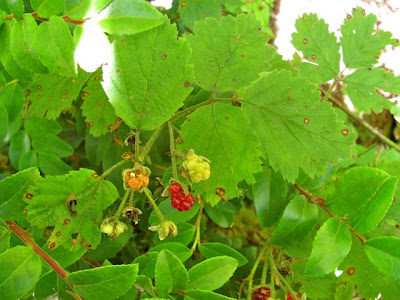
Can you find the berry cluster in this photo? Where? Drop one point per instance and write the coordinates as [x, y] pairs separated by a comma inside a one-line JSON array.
[[137, 178], [290, 297], [197, 167], [264, 293], [112, 227], [179, 200]]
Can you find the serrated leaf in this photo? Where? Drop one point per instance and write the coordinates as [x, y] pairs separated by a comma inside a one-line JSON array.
[[129, 17], [191, 11], [269, 196], [331, 245], [171, 275], [362, 88], [36, 126], [6, 58], [3, 121], [229, 54], [48, 142], [50, 206], [51, 164], [109, 281], [296, 130], [15, 7], [12, 190], [384, 254], [212, 273], [54, 46], [222, 218], [48, 8], [181, 251], [218, 249], [83, 9], [20, 269], [221, 133], [149, 70], [22, 45], [144, 284], [172, 214], [361, 44], [358, 270], [99, 113], [147, 263], [19, 145], [204, 295], [13, 98], [49, 95], [363, 195], [298, 219], [319, 47]]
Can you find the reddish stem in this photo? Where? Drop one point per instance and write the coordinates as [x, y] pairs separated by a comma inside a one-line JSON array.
[[65, 18]]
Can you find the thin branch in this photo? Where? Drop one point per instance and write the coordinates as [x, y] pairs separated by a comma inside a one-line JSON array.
[[197, 226], [65, 18], [24, 236], [321, 203], [363, 123], [172, 151]]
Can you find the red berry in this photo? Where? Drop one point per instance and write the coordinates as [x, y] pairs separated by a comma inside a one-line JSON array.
[[180, 201], [174, 188], [290, 297], [261, 293]]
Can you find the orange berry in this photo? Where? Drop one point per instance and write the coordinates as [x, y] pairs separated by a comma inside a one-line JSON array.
[[134, 182], [145, 181]]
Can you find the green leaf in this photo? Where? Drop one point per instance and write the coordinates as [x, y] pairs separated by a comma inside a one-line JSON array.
[[229, 54], [55, 47], [36, 126], [15, 7], [109, 282], [48, 142], [143, 283], [204, 295], [48, 8], [221, 133], [19, 145], [181, 251], [149, 70], [5, 235], [217, 249], [331, 245], [83, 9], [129, 17], [362, 88], [22, 45], [212, 273], [171, 274], [6, 57], [222, 218], [191, 11], [298, 219], [361, 44], [363, 195], [99, 113], [370, 282], [3, 121], [13, 98], [13, 189], [20, 269], [172, 214], [269, 195], [50, 94], [51, 164], [319, 47], [28, 160], [53, 204], [147, 263], [384, 254], [295, 128]]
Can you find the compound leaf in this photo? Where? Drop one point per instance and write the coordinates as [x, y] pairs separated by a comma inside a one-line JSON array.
[[331, 245], [295, 128], [107, 281], [229, 54], [129, 17], [319, 47], [361, 44], [221, 133], [70, 202], [99, 113], [148, 77], [191, 11], [218, 249]]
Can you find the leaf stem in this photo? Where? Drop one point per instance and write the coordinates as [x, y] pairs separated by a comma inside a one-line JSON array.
[[158, 212], [197, 226], [112, 168], [272, 279], [146, 149], [363, 123], [172, 151], [24, 236], [122, 204], [264, 272], [321, 203], [253, 271]]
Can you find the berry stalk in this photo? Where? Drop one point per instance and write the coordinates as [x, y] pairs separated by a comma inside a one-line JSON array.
[[172, 151], [158, 212]]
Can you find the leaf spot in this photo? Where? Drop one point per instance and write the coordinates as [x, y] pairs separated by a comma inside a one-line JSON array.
[[305, 41], [345, 131], [349, 16], [28, 196], [183, 4], [73, 80], [313, 57], [117, 70], [58, 233], [234, 79], [187, 84], [95, 175], [50, 98], [39, 87], [164, 57], [97, 78], [52, 246], [220, 192], [38, 96], [66, 221], [306, 121], [351, 271], [363, 12], [99, 103], [85, 94], [25, 211], [90, 124], [28, 92], [226, 118]]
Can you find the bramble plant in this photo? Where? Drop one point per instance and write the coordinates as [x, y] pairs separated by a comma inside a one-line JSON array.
[[173, 154]]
